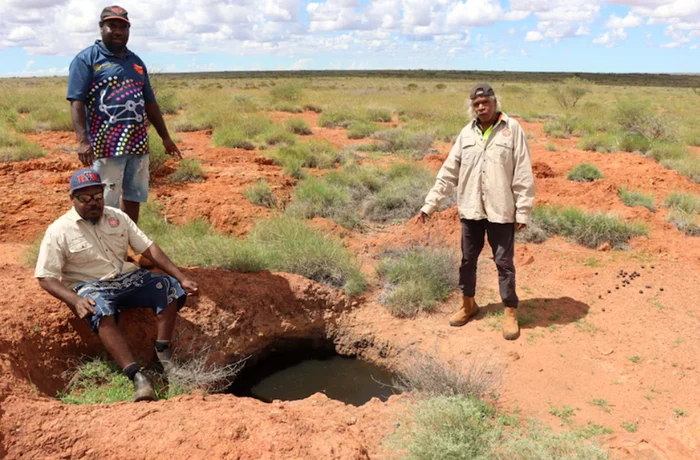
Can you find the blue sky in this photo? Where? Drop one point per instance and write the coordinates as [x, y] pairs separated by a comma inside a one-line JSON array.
[[40, 37]]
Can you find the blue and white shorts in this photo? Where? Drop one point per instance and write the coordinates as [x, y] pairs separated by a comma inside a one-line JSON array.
[[125, 176], [137, 289]]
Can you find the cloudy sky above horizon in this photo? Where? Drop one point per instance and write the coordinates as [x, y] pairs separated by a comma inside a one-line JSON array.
[[40, 37]]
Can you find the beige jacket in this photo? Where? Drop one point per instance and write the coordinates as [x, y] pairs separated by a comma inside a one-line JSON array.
[[75, 251], [494, 179]]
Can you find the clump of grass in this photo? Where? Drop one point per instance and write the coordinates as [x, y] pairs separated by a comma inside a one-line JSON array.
[[288, 92], [313, 108], [634, 143], [298, 126], [337, 119], [415, 144], [278, 135], [531, 234], [241, 131], [320, 155], [292, 246], [684, 202], [602, 143], [687, 166], [261, 194], [684, 222], [634, 198], [379, 115], [590, 230], [17, 148], [186, 122], [362, 129], [416, 279], [584, 172], [551, 147], [97, 382], [631, 427], [602, 403], [402, 196], [188, 170], [467, 427]]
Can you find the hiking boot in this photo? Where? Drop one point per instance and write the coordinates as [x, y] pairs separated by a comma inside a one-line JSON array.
[[468, 310], [163, 359], [511, 330], [144, 388], [139, 259]]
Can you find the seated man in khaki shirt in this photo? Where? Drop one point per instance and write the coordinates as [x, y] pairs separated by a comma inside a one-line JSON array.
[[82, 262]]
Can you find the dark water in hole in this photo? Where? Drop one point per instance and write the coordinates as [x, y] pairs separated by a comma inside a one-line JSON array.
[[291, 377]]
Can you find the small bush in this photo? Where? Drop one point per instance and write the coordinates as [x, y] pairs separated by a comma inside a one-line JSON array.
[[570, 91], [634, 143], [168, 103], [320, 155], [584, 173], [186, 123], [287, 92], [17, 148], [362, 129], [402, 196], [261, 194], [417, 279], [684, 222], [687, 166], [558, 129], [313, 108], [602, 143], [590, 230], [633, 198], [292, 246], [286, 107], [400, 140], [550, 147], [638, 117], [232, 138], [243, 103], [531, 234], [685, 202], [317, 197], [336, 119], [188, 170], [379, 115], [298, 126], [278, 135]]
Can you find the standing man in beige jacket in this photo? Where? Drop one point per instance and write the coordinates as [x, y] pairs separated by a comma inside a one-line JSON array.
[[490, 166]]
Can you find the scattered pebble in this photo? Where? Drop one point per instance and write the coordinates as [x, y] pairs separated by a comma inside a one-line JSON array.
[[661, 289], [617, 287], [642, 266], [602, 309], [652, 266], [596, 273], [648, 287], [609, 291], [641, 292]]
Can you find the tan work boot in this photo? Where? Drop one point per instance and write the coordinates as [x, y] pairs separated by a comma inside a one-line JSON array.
[[139, 259], [144, 388], [511, 330], [469, 309]]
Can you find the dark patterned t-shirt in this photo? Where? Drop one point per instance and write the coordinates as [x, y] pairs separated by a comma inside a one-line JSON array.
[[115, 92]]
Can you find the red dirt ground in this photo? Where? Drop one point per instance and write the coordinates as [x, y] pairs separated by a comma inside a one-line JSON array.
[[575, 349]]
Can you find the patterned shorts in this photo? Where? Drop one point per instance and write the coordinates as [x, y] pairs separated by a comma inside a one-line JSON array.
[[137, 289]]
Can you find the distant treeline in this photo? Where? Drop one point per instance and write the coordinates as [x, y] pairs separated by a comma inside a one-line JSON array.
[[619, 79]]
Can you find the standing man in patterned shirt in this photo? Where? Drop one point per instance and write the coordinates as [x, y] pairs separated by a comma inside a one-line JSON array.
[[111, 102]]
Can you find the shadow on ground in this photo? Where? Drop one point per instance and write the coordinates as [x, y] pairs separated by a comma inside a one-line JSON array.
[[541, 312]]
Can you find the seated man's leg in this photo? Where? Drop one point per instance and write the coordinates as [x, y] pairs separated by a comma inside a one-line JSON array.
[[165, 296], [104, 324]]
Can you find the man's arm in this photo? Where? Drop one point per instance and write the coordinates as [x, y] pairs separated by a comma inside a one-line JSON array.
[[523, 181], [81, 306], [161, 260], [77, 115], [447, 179], [156, 119]]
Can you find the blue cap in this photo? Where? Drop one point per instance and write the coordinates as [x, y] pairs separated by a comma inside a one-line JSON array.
[[84, 178]]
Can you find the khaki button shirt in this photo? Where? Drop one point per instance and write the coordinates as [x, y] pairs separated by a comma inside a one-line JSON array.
[[76, 251], [493, 178]]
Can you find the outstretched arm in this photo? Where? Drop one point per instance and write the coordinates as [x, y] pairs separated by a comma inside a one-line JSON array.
[[156, 119]]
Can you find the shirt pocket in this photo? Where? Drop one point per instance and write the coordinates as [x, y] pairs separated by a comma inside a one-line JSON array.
[[79, 251], [501, 152], [117, 240], [469, 152]]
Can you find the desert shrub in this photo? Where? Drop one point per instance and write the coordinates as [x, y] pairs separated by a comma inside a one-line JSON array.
[[193, 369], [379, 114], [636, 198], [188, 170], [399, 140], [687, 166], [292, 246], [320, 155], [634, 143], [168, 103], [636, 116], [466, 427], [684, 202], [17, 148], [288, 92], [186, 123], [684, 222], [298, 126], [286, 107], [558, 129], [412, 87], [362, 129], [584, 172], [440, 86], [402, 196], [261, 194], [318, 197], [417, 279], [243, 103], [232, 138], [590, 230], [278, 135], [551, 147], [337, 119], [430, 376], [664, 151], [313, 108], [533, 233], [692, 138], [602, 143], [570, 91]]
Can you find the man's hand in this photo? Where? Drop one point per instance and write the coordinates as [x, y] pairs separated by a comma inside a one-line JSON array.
[[86, 154], [190, 286], [171, 149], [421, 218], [520, 227], [83, 307]]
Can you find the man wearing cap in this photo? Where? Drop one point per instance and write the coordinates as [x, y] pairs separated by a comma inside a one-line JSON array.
[[489, 165], [82, 262], [111, 102]]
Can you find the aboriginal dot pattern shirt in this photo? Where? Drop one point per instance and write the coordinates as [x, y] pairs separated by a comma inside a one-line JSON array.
[[115, 92]]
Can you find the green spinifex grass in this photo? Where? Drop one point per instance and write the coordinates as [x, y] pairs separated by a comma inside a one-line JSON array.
[[584, 172], [14, 147], [417, 279], [588, 229], [636, 198], [261, 194], [685, 202], [188, 170]]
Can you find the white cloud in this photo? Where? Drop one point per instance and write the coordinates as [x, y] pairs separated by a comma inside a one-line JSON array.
[[301, 64], [534, 36], [671, 45], [609, 38], [631, 20], [475, 13]]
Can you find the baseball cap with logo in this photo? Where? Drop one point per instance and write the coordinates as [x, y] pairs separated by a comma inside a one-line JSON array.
[[114, 12], [481, 90], [85, 178]]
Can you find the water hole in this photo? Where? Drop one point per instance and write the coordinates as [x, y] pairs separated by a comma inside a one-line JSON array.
[[292, 372]]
